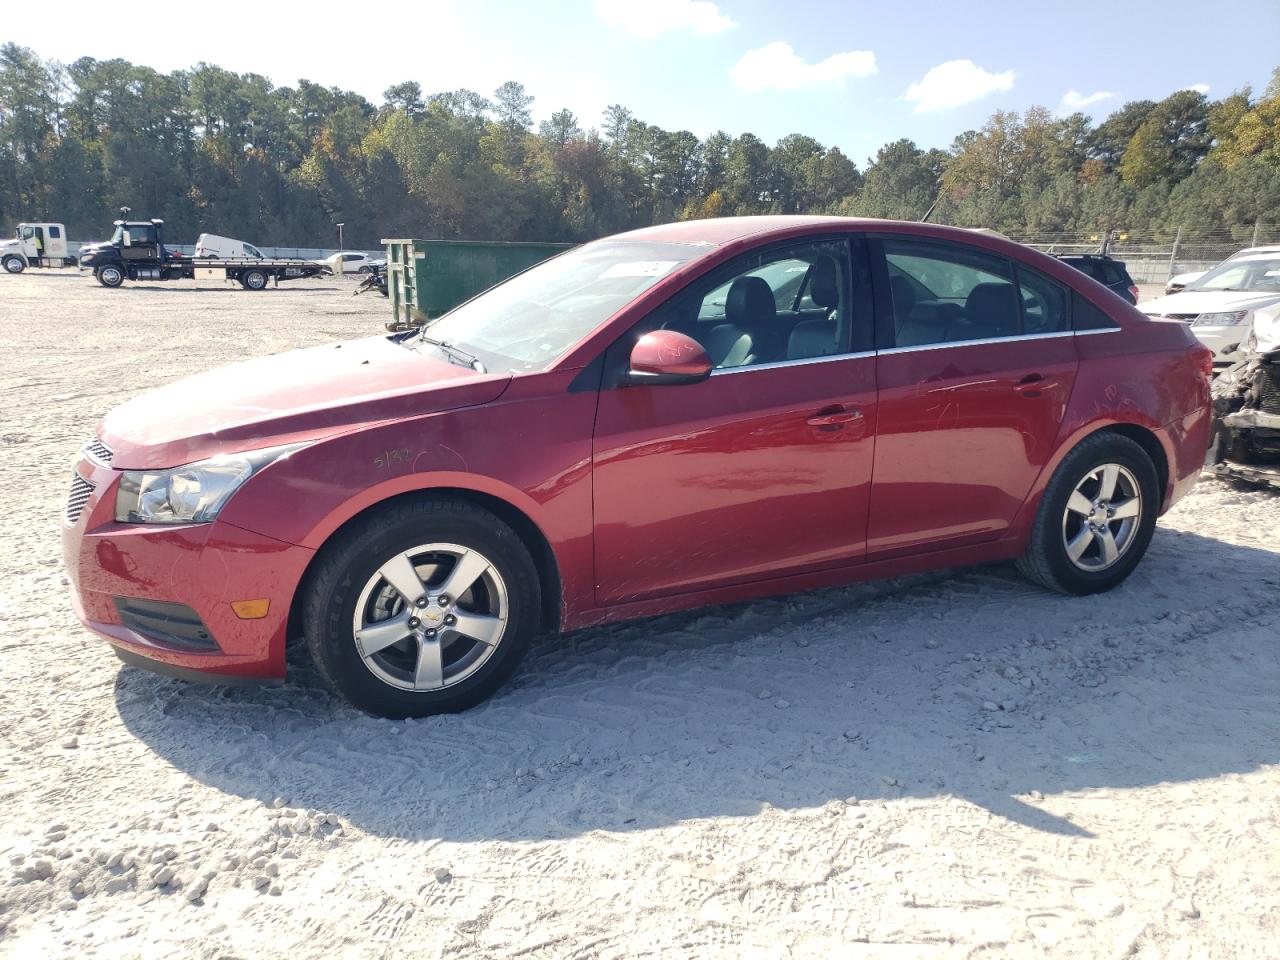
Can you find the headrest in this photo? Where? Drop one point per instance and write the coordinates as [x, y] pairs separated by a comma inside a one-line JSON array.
[[824, 283], [750, 301], [994, 307]]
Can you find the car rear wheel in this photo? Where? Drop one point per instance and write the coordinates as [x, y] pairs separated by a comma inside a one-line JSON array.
[[423, 608], [1096, 517], [14, 264], [110, 276]]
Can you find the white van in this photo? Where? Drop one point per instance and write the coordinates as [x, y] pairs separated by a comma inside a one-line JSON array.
[[224, 248]]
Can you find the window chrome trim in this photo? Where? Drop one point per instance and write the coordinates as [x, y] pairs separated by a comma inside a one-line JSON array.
[[803, 361], [978, 343], [913, 349]]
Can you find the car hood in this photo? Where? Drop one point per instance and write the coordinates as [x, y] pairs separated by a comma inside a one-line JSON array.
[[290, 397], [1190, 302], [9, 244]]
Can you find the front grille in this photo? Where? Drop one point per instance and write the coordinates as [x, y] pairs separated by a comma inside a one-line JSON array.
[[1269, 388], [81, 490], [1181, 316], [95, 449], [169, 624]]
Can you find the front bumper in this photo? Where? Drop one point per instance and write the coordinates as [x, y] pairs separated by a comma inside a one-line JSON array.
[[206, 566], [1227, 343]]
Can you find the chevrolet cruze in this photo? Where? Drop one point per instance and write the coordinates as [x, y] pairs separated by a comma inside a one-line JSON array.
[[682, 415]]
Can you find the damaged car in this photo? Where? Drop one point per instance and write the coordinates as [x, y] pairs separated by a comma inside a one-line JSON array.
[[1246, 410]]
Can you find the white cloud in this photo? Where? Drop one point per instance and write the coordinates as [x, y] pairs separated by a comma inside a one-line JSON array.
[[955, 83], [776, 66], [1198, 87], [1074, 101], [656, 17]]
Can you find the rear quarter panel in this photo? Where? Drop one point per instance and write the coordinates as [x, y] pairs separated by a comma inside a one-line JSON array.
[[1145, 375]]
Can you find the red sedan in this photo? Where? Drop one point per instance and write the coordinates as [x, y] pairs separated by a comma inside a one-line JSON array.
[[683, 415]]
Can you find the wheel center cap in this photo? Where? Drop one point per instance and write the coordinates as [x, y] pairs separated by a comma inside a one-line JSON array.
[[1099, 514], [433, 615]]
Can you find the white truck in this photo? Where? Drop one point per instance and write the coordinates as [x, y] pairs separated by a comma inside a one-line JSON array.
[[36, 245]]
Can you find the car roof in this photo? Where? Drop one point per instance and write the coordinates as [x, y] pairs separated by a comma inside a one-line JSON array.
[[719, 231], [1261, 253]]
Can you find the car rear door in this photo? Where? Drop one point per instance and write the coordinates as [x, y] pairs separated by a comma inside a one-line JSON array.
[[764, 468], [975, 368]]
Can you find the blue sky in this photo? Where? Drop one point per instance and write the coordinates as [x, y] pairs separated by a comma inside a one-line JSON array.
[[852, 74]]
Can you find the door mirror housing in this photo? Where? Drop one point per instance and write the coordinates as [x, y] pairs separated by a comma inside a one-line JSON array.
[[667, 357]]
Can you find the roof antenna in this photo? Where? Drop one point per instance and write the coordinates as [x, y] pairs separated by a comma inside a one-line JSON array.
[[938, 196]]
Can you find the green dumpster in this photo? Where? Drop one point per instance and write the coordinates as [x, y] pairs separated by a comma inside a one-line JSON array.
[[426, 278]]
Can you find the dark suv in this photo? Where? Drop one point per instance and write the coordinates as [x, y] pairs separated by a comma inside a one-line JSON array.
[[1110, 273]]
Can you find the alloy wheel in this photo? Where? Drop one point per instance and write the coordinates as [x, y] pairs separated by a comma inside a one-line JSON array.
[[430, 617], [1102, 517]]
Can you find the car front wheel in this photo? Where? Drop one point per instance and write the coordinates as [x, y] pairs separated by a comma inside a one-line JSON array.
[[422, 608], [14, 264], [1096, 518]]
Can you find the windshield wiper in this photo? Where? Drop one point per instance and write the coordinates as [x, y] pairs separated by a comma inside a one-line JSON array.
[[456, 354]]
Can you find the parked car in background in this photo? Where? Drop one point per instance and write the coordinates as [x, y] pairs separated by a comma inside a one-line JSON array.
[[688, 414], [351, 262], [1224, 304], [1112, 274], [212, 245], [1181, 281]]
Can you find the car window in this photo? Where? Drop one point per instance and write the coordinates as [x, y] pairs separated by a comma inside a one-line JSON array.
[[972, 294], [54, 233], [1261, 275], [1044, 303], [348, 257], [528, 321], [251, 250], [789, 303]]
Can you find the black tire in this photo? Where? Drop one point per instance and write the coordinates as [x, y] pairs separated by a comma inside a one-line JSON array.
[[1046, 560], [110, 275], [355, 555], [254, 280], [365, 269], [14, 264]]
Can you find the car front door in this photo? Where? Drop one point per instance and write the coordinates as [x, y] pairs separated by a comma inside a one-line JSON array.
[[762, 469], [975, 368]]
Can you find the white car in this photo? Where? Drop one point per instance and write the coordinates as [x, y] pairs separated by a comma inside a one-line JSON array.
[[1227, 305], [350, 263], [1181, 281], [224, 248]]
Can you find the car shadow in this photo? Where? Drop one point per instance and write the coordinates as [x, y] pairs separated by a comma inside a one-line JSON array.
[[972, 684]]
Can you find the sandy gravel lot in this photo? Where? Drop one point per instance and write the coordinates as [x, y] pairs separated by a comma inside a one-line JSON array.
[[951, 765]]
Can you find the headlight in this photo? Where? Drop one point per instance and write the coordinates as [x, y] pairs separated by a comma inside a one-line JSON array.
[[190, 494], [1222, 319]]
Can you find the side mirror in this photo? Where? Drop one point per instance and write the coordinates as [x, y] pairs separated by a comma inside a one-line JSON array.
[[127, 240], [667, 357]]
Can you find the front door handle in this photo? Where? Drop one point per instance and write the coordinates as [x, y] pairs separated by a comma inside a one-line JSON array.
[[835, 417]]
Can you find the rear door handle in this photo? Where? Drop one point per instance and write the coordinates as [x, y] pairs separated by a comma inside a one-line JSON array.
[[1033, 383], [835, 418]]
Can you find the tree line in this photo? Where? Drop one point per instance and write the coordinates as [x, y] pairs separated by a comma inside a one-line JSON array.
[[211, 150]]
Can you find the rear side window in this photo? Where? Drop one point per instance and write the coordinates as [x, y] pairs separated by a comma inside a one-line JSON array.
[[945, 293], [1085, 315], [55, 233], [1044, 303]]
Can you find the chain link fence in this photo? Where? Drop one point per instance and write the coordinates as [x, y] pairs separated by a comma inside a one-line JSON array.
[[1152, 257]]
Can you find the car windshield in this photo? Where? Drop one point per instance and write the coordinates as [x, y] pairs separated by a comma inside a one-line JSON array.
[[1261, 275], [534, 318]]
